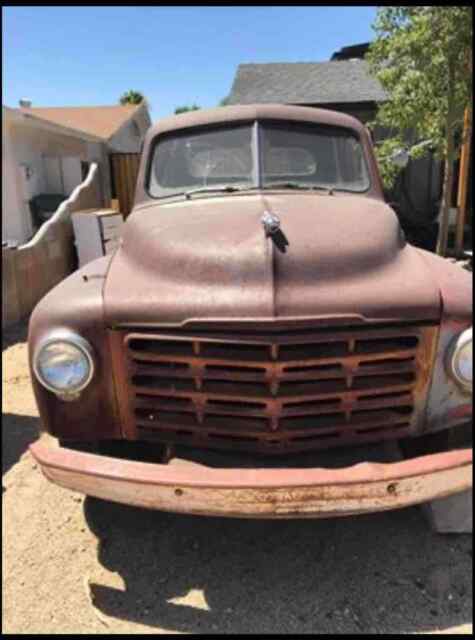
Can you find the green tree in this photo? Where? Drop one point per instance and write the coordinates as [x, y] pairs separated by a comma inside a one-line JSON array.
[[187, 107], [421, 56], [224, 101], [131, 97]]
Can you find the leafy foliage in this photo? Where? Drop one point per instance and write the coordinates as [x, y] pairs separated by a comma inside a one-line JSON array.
[[131, 97], [185, 108], [421, 56]]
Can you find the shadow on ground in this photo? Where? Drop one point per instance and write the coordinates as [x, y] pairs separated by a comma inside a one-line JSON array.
[[18, 432], [379, 573], [15, 333]]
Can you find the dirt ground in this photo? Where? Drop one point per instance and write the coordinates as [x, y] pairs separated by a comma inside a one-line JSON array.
[[75, 565]]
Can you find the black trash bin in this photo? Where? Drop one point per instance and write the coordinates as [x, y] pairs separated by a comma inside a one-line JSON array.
[[44, 205]]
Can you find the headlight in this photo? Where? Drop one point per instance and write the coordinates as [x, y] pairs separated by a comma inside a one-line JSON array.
[[63, 363], [462, 359]]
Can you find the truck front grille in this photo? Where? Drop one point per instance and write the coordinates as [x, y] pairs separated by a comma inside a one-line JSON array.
[[273, 391]]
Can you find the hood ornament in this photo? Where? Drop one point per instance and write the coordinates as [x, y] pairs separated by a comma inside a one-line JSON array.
[[271, 224]]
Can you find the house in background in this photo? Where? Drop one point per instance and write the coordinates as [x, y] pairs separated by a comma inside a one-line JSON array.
[[342, 85], [47, 151], [345, 84], [120, 127]]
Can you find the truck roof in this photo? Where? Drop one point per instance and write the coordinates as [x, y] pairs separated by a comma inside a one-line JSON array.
[[237, 113]]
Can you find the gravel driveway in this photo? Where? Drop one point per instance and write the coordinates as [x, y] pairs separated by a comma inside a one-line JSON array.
[[82, 565]]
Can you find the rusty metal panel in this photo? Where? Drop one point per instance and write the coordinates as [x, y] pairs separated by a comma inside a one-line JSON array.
[[119, 373], [448, 403], [209, 258], [274, 391]]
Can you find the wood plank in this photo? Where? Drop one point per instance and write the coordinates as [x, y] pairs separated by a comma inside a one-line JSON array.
[[463, 183], [123, 186], [125, 167], [130, 181]]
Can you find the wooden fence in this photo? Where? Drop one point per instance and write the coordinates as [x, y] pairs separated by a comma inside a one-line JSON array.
[[30, 271], [28, 274], [124, 170]]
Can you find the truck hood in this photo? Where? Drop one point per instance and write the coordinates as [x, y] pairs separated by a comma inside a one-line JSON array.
[[209, 258]]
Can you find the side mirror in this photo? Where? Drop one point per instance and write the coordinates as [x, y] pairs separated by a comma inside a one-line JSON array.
[[400, 157]]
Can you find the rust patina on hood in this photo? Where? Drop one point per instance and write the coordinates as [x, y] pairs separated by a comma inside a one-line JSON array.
[[208, 259]]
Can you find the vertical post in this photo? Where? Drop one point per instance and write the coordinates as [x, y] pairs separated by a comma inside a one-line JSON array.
[[442, 240], [463, 183], [256, 152]]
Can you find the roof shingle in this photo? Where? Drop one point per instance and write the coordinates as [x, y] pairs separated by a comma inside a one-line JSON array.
[[342, 81], [102, 122]]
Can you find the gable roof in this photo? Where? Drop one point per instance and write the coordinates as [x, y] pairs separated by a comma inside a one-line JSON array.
[[23, 116], [102, 122], [337, 81]]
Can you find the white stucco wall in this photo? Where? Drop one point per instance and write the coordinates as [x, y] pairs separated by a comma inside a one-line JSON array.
[[97, 152], [37, 160], [14, 225], [128, 138]]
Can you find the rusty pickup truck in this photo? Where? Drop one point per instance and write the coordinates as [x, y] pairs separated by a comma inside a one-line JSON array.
[[263, 317]]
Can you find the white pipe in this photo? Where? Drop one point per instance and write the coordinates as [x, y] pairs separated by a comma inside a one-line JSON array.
[[62, 212]]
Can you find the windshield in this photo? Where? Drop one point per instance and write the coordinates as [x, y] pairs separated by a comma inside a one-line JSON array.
[[292, 155], [312, 156], [203, 160]]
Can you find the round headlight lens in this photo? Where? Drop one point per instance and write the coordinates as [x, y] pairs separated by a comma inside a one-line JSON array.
[[64, 366], [462, 359]]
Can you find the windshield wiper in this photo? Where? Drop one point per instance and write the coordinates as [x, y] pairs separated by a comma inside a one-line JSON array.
[[298, 185], [226, 189], [278, 185]]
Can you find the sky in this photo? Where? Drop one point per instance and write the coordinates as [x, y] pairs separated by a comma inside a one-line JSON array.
[[74, 56]]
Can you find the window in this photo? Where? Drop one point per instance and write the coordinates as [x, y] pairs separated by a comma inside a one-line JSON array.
[[312, 155], [202, 159]]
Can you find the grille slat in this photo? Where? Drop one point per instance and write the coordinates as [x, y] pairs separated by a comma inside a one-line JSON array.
[[280, 337], [334, 423], [348, 396], [259, 410], [275, 391], [193, 370], [162, 358]]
